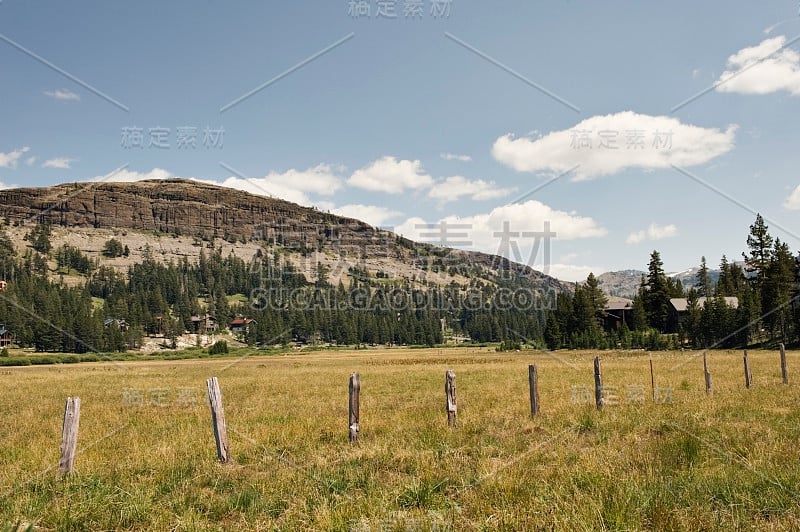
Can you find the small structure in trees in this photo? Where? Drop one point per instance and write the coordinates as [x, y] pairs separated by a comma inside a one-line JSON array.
[[618, 312], [204, 324], [3, 285], [6, 338], [241, 325], [121, 323]]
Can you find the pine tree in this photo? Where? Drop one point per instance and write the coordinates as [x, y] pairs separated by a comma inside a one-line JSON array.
[[703, 279], [656, 301], [759, 243]]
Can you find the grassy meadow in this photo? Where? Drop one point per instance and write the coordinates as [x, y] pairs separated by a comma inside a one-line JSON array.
[[147, 458]]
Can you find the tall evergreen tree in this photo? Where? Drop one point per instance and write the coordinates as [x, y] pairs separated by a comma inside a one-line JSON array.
[[703, 279], [656, 301], [759, 243]]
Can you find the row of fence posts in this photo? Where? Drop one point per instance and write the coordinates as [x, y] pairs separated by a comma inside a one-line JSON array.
[[72, 409]]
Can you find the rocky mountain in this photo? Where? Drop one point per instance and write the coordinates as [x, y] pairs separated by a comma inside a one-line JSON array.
[[177, 218], [625, 283]]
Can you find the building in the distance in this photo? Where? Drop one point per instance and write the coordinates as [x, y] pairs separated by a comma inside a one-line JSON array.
[[5, 336], [680, 307], [617, 313]]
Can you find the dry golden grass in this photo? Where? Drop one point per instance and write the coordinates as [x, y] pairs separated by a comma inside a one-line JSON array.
[[729, 461]]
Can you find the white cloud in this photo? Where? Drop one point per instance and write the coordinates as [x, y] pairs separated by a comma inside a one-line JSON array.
[[457, 186], [654, 232], [455, 157], [3, 186], [10, 159], [392, 176], [762, 69], [526, 217], [30, 161], [372, 214], [58, 162], [128, 176], [63, 94], [572, 272], [521, 217], [557, 151], [292, 185], [793, 201]]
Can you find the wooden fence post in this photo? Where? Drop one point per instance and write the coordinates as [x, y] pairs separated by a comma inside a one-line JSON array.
[[355, 391], [218, 419], [450, 392], [748, 376], [598, 384], [533, 381], [652, 380], [69, 434], [707, 375], [784, 373]]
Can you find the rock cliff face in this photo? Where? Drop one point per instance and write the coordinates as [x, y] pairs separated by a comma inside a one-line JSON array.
[[170, 206], [196, 209]]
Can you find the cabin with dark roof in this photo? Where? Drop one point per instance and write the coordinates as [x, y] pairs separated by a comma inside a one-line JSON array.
[[617, 313], [6, 338], [679, 307], [204, 324]]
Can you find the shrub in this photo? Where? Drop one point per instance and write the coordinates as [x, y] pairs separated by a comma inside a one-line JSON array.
[[4, 352], [113, 248], [219, 348]]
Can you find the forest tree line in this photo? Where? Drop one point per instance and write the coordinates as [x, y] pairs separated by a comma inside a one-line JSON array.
[[767, 309], [153, 298]]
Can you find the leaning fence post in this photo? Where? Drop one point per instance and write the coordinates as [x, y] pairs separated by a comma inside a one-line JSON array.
[[450, 392], [355, 390], [533, 381], [598, 384], [707, 375], [69, 434], [784, 373], [652, 380], [748, 377], [218, 419]]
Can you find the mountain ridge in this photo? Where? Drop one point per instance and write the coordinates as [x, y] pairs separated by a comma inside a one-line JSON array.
[[204, 211]]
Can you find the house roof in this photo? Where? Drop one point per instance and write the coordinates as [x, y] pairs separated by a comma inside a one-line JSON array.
[[618, 303], [3, 331], [681, 304]]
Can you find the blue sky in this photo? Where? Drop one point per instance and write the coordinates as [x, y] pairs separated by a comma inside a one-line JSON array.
[[453, 115]]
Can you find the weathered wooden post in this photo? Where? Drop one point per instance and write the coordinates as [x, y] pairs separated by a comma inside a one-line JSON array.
[[533, 381], [218, 419], [784, 373], [598, 384], [355, 391], [748, 377], [707, 375], [69, 434], [652, 380], [450, 392]]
